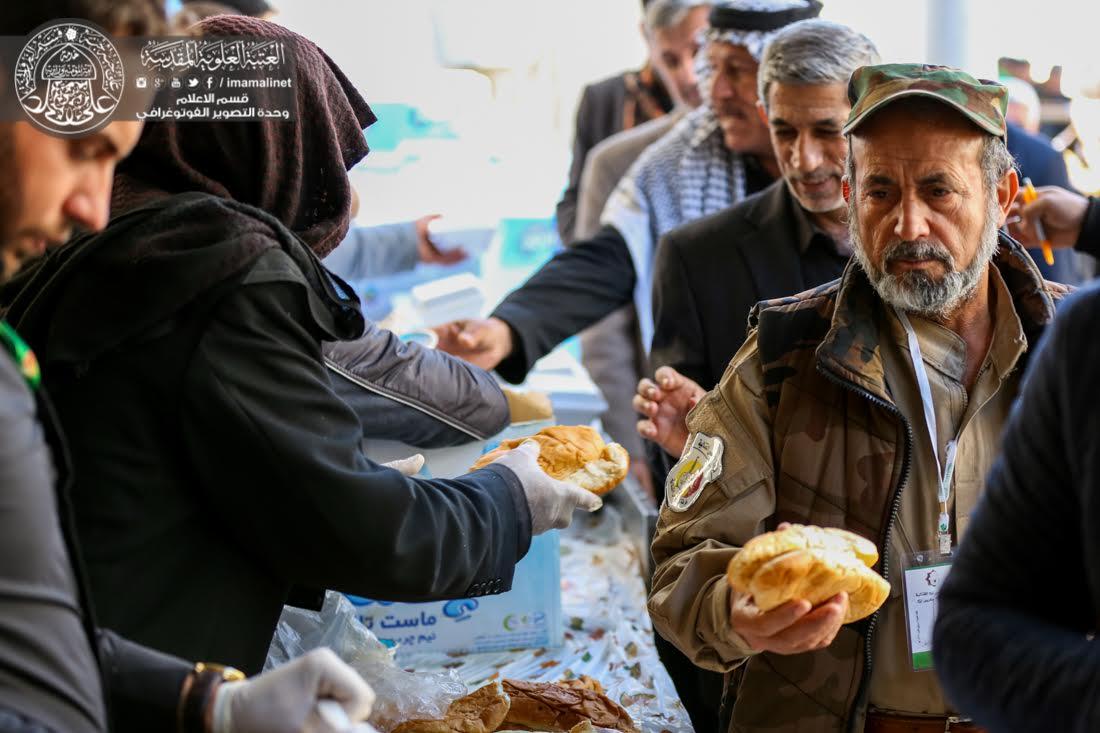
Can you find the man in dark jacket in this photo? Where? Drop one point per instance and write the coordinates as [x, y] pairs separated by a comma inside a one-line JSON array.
[[626, 100], [217, 466], [1014, 633], [786, 239], [58, 672]]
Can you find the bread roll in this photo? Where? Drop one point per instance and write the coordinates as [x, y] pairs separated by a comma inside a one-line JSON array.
[[545, 706], [573, 453], [482, 711], [809, 563]]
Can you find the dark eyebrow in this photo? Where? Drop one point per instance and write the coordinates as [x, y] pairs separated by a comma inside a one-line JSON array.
[[932, 178], [877, 179]]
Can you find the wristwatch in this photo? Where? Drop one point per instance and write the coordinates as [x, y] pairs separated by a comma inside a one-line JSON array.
[[196, 703]]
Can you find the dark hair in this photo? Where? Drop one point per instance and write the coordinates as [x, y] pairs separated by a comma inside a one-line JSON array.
[[117, 17]]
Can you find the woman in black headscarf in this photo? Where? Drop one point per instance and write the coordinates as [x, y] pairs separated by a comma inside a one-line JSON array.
[[215, 464]]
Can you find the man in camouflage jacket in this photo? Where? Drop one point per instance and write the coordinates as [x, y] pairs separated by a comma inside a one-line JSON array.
[[819, 418]]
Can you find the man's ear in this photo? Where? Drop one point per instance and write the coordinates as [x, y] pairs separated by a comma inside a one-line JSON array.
[[1006, 194], [845, 189], [760, 110]]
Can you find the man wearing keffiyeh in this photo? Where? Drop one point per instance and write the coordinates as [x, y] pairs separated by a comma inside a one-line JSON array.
[[710, 160]]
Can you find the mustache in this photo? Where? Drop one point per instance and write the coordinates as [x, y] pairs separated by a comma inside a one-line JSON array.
[[921, 249]]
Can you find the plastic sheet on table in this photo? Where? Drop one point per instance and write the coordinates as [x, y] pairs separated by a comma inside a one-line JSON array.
[[401, 695], [608, 635]]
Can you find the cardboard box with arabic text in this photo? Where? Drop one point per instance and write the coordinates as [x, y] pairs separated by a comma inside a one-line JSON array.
[[528, 616]]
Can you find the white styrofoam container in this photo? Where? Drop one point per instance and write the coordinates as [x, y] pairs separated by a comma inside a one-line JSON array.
[[448, 299], [447, 235]]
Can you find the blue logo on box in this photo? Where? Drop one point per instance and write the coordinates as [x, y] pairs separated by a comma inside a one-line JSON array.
[[460, 610]]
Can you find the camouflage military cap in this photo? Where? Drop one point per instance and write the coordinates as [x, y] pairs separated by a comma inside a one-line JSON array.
[[873, 87]]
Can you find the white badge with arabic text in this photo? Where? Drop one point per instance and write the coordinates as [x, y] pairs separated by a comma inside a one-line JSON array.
[[700, 464], [924, 573]]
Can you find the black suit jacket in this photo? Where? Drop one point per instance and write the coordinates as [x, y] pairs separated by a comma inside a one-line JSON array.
[[711, 272]]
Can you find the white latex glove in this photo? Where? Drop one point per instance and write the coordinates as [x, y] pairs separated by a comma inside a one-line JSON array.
[[285, 700], [331, 712], [407, 466], [551, 501]]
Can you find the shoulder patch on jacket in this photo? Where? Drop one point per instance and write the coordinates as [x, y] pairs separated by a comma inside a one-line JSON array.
[[700, 465]]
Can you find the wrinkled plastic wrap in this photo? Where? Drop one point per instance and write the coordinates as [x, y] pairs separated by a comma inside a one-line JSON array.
[[401, 695]]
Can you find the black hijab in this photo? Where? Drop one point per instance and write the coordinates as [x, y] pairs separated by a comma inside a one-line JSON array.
[[294, 170]]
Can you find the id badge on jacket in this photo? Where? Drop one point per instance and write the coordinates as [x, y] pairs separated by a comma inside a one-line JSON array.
[[923, 574]]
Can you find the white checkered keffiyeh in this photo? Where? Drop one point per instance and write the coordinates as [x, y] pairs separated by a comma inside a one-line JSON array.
[[687, 174]]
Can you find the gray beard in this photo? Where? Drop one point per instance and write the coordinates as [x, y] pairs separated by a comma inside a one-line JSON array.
[[916, 292]]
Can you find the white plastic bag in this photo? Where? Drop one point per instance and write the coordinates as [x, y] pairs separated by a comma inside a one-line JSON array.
[[401, 695]]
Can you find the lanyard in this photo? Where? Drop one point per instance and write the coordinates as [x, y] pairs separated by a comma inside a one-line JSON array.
[[945, 470]]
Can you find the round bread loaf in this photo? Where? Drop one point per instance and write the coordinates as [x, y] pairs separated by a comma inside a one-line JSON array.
[[574, 453], [809, 563], [546, 706]]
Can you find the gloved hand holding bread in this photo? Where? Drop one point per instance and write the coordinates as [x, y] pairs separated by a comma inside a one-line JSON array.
[[561, 468]]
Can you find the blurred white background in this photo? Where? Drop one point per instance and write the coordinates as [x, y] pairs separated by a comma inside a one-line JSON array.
[[504, 138]]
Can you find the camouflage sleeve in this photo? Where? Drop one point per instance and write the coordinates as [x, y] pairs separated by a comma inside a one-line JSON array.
[[689, 602]]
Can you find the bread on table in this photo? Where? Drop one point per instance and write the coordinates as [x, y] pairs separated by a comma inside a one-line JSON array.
[[482, 711], [540, 706], [546, 706]]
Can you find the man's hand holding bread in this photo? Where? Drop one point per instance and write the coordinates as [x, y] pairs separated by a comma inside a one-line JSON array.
[[792, 589]]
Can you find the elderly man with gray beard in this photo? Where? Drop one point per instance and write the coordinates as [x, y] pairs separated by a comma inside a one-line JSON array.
[[873, 403]]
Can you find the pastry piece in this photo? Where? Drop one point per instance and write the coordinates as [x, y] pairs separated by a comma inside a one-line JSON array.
[[528, 406], [574, 453], [545, 706], [809, 563], [482, 711], [584, 682]]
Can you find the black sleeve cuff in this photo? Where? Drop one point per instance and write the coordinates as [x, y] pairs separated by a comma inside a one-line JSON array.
[[519, 505], [143, 685], [514, 367], [1088, 241]]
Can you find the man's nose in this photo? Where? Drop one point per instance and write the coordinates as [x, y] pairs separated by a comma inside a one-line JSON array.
[[89, 204]]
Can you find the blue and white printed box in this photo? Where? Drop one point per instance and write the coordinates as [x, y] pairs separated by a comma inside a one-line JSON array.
[[528, 616]]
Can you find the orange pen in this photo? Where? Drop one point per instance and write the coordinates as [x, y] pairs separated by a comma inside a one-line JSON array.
[[1030, 194]]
